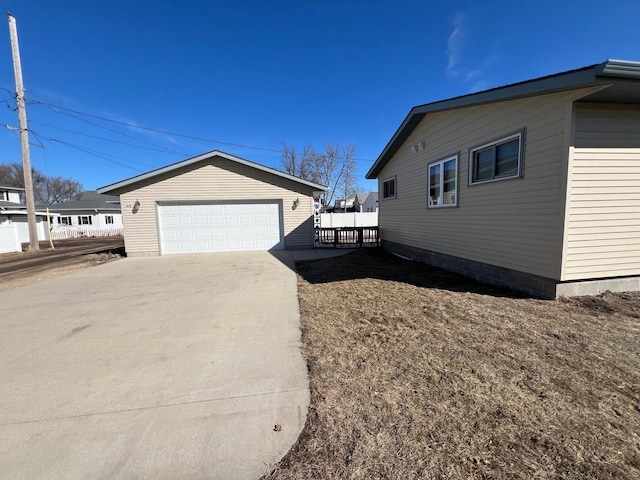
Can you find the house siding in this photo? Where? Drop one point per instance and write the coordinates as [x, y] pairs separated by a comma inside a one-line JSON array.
[[607, 125], [515, 224], [603, 211], [217, 179]]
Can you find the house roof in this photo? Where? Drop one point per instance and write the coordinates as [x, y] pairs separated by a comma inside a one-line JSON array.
[[361, 197], [129, 183], [23, 212], [5, 205], [15, 189], [620, 77], [89, 200]]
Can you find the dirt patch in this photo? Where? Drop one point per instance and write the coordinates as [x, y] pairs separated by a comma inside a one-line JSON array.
[[419, 373], [19, 269]]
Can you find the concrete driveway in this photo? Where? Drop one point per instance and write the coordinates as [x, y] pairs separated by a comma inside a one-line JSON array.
[[162, 368]]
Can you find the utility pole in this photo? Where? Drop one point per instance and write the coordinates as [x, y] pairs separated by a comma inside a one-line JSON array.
[[24, 135]]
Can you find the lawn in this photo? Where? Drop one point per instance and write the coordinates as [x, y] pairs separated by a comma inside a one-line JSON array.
[[420, 373]]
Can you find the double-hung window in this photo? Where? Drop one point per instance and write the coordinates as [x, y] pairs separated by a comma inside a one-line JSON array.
[[84, 220], [108, 219], [389, 188], [443, 183], [498, 160]]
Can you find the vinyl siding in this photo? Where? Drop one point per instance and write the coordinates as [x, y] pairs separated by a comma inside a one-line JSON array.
[[216, 180], [607, 125], [516, 223], [603, 213]]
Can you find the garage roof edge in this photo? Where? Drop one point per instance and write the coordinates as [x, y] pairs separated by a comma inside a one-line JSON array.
[[200, 158]]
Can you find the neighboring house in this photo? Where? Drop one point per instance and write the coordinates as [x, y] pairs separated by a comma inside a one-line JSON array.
[[11, 195], [339, 205], [359, 200], [14, 226], [215, 202], [534, 185], [92, 208], [369, 202]]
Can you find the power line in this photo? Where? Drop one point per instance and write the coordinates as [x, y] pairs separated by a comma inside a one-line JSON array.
[[55, 109], [108, 139], [88, 151], [62, 110]]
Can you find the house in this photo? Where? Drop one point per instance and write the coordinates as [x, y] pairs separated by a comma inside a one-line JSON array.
[[534, 185], [342, 205], [367, 202], [91, 208], [14, 226], [215, 202], [10, 195]]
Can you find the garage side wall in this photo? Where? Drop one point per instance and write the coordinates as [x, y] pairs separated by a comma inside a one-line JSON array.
[[217, 180]]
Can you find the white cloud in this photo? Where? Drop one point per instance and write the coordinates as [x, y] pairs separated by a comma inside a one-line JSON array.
[[455, 44], [466, 62]]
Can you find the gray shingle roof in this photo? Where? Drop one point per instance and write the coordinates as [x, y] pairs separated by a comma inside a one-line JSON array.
[[89, 200]]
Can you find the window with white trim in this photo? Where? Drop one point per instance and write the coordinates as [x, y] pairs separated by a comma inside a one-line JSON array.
[[108, 219], [84, 220], [443, 183], [389, 188], [498, 160], [64, 220]]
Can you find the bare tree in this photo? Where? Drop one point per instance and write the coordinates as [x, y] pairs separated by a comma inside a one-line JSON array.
[[335, 167], [46, 190], [301, 165]]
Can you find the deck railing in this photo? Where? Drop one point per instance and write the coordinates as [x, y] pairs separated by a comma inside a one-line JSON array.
[[347, 236]]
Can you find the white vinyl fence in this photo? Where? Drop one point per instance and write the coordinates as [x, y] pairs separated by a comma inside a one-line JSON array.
[[63, 232], [349, 219], [9, 241]]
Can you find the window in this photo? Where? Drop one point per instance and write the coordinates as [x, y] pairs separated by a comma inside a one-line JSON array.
[[108, 219], [497, 160], [84, 220], [389, 188], [443, 183], [64, 220]]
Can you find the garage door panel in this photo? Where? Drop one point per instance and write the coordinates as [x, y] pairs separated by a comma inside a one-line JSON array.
[[217, 227]]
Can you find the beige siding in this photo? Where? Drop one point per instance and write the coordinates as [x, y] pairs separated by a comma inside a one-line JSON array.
[[516, 223], [218, 179], [603, 214], [607, 125]]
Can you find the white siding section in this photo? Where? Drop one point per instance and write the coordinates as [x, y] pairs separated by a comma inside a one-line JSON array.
[[603, 214], [515, 224]]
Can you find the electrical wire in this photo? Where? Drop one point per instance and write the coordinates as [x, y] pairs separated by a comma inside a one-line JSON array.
[[88, 151], [70, 112], [107, 139], [53, 108]]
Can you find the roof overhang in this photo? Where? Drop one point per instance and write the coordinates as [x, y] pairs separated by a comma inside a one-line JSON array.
[[620, 80], [130, 183], [9, 213]]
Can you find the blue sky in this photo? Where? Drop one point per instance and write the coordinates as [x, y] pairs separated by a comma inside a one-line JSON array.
[[232, 75]]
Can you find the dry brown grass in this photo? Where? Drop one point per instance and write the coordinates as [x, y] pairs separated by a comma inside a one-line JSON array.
[[419, 373]]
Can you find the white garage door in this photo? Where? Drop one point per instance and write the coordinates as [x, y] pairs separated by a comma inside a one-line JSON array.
[[219, 227]]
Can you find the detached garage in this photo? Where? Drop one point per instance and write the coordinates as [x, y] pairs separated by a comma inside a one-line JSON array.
[[215, 202]]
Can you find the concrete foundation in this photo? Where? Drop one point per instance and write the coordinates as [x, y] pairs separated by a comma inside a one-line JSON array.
[[524, 282]]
